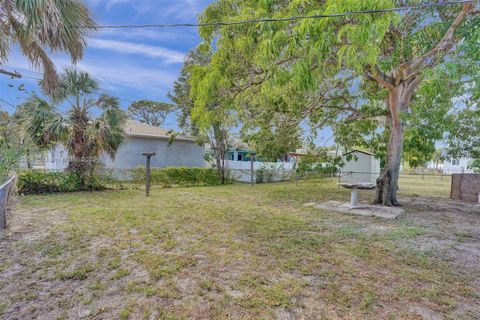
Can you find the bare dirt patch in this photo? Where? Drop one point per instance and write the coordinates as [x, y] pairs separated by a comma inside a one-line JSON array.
[[207, 253]]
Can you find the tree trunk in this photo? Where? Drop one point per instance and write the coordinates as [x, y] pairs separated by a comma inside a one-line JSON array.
[[219, 143], [29, 161], [80, 161], [387, 184]]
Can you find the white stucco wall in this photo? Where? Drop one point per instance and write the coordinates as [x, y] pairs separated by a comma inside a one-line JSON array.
[[178, 154], [56, 158], [129, 155]]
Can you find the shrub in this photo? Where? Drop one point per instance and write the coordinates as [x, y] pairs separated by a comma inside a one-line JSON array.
[[264, 175], [178, 176], [37, 181]]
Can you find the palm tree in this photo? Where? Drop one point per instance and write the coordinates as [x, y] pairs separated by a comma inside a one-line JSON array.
[[84, 136], [36, 25]]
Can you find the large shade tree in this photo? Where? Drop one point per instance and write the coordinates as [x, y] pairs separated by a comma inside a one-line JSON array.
[[150, 112], [357, 72], [83, 135], [36, 26], [213, 123]]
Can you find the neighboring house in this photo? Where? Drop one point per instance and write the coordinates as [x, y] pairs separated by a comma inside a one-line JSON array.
[[455, 166], [360, 166], [184, 151], [238, 154], [295, 157]]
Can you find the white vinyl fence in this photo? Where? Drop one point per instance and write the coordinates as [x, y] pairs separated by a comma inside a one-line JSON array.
[[263, 171]]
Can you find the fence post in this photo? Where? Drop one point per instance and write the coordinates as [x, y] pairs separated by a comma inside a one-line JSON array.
[[339, 178], [147, 174], [252, 171]]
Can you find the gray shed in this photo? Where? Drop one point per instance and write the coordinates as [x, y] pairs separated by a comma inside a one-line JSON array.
[[360, 167]]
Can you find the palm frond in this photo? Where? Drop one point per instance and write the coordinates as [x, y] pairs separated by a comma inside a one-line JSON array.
[[60, 25], [74, 83], [109, 127], [42, 122]]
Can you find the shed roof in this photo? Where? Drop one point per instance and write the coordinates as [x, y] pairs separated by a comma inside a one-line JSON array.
[[142, 130], [361, 151]]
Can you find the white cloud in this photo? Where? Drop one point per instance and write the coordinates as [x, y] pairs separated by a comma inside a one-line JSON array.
[[159, 35], [115, 76], [147, 79], [169, 56]]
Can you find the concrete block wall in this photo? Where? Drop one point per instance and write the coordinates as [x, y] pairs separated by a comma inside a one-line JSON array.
[[465, 187]]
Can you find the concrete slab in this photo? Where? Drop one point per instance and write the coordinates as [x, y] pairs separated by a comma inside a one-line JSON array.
[[362, 209]]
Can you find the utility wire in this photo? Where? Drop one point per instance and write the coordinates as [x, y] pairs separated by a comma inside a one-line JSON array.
[[7, 102], [286, 19], [115, 93]]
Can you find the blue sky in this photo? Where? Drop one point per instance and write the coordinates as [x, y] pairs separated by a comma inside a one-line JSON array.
[[131, 64]]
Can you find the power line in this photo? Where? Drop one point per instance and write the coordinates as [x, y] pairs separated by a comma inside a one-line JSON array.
[[286, 19], [7, 102], [115, 93]]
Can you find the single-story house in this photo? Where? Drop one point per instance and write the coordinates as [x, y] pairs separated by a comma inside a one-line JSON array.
[[184, 151], [456, 165], [238, 154], [360, 167]]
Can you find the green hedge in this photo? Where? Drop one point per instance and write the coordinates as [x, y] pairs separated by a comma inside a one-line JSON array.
[[37, 181], [178, 176]]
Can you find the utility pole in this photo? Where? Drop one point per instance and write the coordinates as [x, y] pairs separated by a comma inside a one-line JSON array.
[[147, 173]]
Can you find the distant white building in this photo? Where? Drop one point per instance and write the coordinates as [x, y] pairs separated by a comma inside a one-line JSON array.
[[460, 165], [360, 167]]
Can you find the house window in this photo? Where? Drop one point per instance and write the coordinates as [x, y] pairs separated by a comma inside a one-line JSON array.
[[240, 157], [455, 162]]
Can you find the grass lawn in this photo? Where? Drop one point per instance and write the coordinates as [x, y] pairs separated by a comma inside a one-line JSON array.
[[239, 252]]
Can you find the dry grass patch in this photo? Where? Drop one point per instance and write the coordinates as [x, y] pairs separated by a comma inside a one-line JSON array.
[[234, 252]]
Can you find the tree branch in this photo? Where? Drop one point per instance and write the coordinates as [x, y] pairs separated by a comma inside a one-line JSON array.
[[443, 46], [378, 76]]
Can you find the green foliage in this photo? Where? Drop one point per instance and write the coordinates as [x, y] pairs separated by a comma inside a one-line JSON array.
[[37, 181], [83, 135], [339, 71], [178, 176], [181, 91], [318, 161], [475, 165], [38, 27], [464, 136], [264, 175], [150, 112], [212, 124]]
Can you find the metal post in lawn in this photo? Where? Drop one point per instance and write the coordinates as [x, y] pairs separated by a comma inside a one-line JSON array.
[[147, 173]]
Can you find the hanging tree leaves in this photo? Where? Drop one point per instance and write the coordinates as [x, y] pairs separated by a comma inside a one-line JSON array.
[[356, 73]]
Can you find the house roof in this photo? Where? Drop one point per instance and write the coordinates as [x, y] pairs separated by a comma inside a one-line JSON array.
[[142, 130], [361, 151]]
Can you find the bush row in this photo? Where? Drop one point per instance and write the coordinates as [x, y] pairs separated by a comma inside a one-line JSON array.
[[37, 181], [178, 176]]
